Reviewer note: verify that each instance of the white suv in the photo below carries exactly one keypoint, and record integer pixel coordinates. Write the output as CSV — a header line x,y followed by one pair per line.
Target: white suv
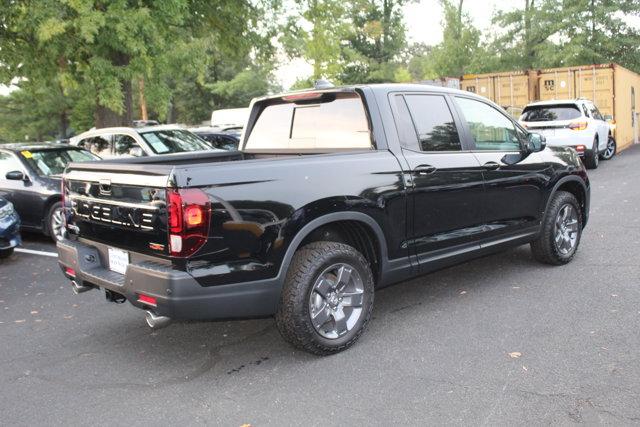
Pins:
x,y
573,123
136,142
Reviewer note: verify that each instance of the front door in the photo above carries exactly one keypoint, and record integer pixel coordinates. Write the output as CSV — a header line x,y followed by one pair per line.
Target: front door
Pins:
x,y
22,193
445,183
514,180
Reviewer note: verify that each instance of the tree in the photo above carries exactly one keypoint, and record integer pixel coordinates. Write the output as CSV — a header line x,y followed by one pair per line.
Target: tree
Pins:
x,y
373,49
315,32
598,31
100,48
460,42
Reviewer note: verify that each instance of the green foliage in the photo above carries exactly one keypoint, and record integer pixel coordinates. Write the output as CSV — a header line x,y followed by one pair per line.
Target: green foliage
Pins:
x,y
460,43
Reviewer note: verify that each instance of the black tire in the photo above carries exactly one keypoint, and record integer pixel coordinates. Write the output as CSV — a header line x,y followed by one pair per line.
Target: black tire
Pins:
x,y
293,318
611,150
591,157
6,253
52,230
545,248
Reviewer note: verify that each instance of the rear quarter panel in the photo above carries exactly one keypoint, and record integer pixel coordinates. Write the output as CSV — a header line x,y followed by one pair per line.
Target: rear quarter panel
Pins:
x,y
258,207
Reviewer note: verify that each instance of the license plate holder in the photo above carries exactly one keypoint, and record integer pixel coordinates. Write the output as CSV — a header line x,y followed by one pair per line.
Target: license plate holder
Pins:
x,y
118,260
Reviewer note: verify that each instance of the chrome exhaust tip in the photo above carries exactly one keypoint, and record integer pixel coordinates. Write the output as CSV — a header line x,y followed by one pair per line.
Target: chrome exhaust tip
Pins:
x,y
78,289
156,322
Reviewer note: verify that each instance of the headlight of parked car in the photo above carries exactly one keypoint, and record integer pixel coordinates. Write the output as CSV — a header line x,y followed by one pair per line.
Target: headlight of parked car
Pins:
x,y
6,211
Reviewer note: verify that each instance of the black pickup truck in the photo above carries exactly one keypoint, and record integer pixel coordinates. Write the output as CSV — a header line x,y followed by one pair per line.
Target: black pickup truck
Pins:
x,y
334,193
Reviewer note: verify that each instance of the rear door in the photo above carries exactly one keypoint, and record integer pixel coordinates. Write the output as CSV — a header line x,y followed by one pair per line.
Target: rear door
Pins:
x,y
514,180
446,180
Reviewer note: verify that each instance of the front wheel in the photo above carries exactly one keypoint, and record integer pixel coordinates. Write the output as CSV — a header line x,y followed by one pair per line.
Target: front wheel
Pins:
x,y
327,298
561,230
610,151
55,222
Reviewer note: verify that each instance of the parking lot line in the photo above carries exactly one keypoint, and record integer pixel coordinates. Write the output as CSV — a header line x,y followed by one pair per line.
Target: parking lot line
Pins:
x,y
43,253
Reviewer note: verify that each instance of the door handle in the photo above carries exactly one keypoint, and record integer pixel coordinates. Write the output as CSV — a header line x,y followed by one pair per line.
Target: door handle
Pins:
x,y
423,170
491,166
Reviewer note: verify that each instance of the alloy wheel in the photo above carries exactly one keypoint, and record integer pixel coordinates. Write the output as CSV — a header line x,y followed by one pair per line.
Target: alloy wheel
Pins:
x,y
336,300
566,229
57,224
610,150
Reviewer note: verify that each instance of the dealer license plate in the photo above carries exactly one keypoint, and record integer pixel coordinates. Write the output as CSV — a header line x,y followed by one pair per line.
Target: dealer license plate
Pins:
x,y
118,260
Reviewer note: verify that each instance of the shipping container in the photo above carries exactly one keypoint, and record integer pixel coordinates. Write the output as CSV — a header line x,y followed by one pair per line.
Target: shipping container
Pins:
x,y
614,89
512,90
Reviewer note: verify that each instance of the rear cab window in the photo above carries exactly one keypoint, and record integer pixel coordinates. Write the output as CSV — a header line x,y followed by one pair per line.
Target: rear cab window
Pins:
x,y
550,113
325,121
431,121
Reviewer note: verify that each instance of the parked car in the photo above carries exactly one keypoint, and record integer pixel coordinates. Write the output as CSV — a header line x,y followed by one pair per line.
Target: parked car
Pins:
x,y
575,123
9,228
335,193
221,139
115,142
30,176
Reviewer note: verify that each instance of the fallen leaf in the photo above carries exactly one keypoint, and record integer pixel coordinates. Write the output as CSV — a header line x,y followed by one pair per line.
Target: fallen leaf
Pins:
x,y
514,354
463,292
20,321
524,367
34,312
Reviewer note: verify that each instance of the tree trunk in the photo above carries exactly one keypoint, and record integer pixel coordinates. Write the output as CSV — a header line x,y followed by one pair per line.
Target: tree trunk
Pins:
x,y
142,100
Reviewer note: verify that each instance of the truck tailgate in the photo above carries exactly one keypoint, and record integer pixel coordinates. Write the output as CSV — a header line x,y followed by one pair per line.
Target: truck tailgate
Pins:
x,y
123,209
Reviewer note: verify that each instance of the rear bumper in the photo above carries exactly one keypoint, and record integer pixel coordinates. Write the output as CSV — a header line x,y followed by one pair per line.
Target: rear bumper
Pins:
x,y
568,138
177,293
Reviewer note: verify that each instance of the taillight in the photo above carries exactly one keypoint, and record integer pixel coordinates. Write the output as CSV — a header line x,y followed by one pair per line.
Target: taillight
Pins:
x,y
578,125
189,211
580,148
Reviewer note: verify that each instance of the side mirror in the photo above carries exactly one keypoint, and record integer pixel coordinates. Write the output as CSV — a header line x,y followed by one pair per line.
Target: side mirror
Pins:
x,y
136,152
536,142
16,176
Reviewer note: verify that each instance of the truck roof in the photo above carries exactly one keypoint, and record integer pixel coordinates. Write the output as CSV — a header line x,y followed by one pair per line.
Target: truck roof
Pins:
x,y
378,87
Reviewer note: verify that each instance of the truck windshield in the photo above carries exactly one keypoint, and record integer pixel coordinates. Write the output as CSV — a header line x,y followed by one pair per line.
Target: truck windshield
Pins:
x,y
550,113
53,162
173,141
333,122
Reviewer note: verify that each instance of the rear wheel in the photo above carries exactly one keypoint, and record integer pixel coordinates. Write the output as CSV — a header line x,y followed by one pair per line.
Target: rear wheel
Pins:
x,y
591,158
327,298
561,231
610,151
55,222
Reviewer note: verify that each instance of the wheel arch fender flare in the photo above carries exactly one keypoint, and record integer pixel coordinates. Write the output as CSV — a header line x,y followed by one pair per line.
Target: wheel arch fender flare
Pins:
x,y
311,226
585,191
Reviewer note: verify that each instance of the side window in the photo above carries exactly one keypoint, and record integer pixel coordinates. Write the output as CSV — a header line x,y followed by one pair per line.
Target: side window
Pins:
x,y
433,122
595,113
490,129
99,145
8,163
124,146
585,111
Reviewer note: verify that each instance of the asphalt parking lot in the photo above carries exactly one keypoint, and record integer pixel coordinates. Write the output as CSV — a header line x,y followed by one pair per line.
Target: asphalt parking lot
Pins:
x,y
497,341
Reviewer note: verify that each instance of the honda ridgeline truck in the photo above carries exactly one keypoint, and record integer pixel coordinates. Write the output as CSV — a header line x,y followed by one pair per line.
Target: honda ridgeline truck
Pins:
x,y
333,194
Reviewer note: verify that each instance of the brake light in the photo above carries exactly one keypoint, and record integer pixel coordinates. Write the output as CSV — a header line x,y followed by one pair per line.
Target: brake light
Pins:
x,y
302,96
578,125
189,212
580,148
70,272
